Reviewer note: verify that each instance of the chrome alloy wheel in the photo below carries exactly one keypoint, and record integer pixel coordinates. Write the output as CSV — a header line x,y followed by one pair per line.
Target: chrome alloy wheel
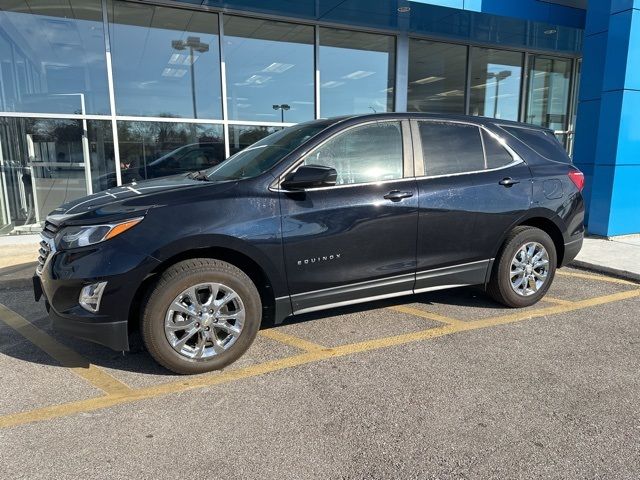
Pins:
x,y
529,269
204,320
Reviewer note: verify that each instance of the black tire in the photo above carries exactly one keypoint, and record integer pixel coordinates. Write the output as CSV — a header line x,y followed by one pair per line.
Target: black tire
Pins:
x,y
177,279
499,287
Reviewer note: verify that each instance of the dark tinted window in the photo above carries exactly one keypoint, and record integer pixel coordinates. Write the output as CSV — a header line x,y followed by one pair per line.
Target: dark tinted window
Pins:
x,y
451,148
497,155
367,153
545,144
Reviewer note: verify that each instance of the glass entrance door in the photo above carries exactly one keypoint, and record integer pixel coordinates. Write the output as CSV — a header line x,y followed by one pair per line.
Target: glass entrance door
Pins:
x,y
548,94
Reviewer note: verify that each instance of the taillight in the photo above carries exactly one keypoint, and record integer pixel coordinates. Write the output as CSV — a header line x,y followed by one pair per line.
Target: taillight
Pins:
x,y
577,177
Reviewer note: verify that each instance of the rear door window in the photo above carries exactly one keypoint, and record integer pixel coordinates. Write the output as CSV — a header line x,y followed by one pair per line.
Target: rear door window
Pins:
x,y
451,148
542,142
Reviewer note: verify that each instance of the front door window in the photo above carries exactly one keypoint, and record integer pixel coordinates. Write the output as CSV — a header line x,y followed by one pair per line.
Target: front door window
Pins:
x,y
367,153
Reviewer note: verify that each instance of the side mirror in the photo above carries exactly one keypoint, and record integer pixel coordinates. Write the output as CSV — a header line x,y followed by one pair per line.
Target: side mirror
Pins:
x,y
309,176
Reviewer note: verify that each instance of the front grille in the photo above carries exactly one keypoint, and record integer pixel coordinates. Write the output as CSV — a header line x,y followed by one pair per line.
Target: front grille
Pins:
x,y
50,229
48,234
43,254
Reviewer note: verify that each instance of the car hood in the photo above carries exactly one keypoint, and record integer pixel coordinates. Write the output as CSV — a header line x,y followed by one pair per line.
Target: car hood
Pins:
x,y
127,200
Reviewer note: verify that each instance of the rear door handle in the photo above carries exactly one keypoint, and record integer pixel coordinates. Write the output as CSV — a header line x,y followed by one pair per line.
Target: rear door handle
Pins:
x,y
397,195
508,182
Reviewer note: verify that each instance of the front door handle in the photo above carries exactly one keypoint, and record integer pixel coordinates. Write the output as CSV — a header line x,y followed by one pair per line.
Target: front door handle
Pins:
x,y
397,195
508,182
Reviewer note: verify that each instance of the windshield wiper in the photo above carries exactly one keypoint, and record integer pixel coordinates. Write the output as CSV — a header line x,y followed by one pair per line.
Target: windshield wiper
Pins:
x,y
199,175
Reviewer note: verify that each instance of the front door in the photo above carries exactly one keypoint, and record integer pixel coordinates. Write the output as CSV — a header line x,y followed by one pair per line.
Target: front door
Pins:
x,y
357,239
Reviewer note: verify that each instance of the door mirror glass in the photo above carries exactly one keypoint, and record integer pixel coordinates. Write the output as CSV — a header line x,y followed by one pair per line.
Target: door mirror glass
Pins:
x,y
310,176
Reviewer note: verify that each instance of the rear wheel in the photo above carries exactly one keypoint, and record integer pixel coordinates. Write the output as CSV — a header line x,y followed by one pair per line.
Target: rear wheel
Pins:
x,y
202,315
524,269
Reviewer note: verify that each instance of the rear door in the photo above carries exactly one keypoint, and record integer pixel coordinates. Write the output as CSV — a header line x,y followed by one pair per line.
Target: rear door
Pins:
x,y
504,191
357,239
463,208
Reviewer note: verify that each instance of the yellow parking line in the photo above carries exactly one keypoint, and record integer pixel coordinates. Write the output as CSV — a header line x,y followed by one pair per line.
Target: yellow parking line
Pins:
x,y
218,378
602,278
290,340
62,354
557,301
426,314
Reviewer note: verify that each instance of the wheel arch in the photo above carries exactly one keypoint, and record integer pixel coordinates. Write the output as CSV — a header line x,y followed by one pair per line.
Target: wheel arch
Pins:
x,y
240,254
551,229
549,225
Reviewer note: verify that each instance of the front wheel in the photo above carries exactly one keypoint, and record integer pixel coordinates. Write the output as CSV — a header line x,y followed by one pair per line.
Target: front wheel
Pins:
x,y
202,315
524,269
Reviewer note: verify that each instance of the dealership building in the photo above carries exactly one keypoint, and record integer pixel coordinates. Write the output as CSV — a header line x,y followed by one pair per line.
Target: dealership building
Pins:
x,y
97,93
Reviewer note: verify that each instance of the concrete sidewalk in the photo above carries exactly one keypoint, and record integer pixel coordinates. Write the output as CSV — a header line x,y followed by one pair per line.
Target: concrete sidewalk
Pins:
x,y
18,258
619,256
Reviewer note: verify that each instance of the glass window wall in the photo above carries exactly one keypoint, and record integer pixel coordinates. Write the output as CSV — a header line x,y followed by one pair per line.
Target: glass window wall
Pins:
x,y
548,97
495,83
437,77
42,165
166,64
52,57
270,70
157,149
241,136
166,61
357,72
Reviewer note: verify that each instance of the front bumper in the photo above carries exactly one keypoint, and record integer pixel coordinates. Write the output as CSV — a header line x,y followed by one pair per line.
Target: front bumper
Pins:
x,y
112,334
63,276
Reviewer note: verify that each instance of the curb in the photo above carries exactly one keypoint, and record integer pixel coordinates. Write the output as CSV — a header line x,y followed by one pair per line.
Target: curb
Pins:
x,y
15,283
17,276
615,272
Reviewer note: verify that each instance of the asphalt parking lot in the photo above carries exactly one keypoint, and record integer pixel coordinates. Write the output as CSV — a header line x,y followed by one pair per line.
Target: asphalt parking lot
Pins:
x,y
441,385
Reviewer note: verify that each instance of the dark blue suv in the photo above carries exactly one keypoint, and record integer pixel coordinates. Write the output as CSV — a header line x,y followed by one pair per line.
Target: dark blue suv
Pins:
x,y
325,213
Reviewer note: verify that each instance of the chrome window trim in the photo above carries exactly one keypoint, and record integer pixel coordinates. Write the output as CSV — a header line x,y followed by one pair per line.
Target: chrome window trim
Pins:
x,y
484,150
420,157
276,186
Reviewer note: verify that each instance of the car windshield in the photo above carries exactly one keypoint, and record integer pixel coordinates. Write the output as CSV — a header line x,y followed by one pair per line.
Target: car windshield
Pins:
x,y
261,156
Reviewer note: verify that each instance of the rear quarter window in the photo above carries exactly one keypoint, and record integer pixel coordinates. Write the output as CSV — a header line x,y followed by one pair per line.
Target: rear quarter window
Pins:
x,y
543,143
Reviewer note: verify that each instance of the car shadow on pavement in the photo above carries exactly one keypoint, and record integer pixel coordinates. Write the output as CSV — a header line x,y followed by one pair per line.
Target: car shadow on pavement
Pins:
x,y
138,360
14,276
83,353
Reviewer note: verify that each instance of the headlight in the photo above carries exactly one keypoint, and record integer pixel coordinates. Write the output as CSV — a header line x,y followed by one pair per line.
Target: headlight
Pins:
x,y
73,237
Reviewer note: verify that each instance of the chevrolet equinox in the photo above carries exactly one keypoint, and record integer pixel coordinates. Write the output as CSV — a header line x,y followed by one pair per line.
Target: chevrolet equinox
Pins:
x,y
321,214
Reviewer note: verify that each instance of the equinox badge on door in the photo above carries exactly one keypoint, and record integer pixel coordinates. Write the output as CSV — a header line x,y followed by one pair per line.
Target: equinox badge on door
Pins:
x,y
324,258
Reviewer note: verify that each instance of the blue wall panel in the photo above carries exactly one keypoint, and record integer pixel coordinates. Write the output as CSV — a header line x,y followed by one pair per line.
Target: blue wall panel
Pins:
x,y
597,17
607,145
618,50
595,49
586,131
625,207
